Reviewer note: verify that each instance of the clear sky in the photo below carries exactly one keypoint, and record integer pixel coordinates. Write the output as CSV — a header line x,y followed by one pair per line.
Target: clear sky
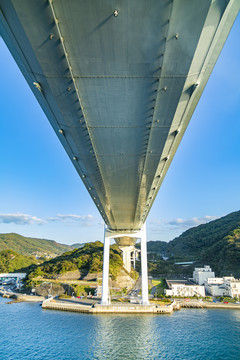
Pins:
x,y
41,194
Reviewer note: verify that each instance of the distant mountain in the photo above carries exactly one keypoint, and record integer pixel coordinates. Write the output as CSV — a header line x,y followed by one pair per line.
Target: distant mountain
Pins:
x,y
77,246
31,246
155,246
216,243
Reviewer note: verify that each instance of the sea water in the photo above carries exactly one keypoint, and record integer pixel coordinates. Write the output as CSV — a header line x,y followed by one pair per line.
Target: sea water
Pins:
x,y
29,332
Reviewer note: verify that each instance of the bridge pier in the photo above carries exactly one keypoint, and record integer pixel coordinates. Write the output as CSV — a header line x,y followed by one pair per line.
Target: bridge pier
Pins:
x,y
105,278
144,269
124,236
126,253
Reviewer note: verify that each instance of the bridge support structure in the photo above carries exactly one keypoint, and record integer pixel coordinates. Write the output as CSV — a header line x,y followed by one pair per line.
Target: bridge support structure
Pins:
x,y
115,234
126,253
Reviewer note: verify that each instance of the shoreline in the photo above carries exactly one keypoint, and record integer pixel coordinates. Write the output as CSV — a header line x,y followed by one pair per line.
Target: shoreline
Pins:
x,y
21,297
222,306
124,308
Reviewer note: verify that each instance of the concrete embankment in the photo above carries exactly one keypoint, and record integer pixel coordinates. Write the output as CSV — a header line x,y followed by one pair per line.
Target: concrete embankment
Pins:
x,y
6,294
124,308
221,306
21,297
191,304
66,306
208,305
113,308
133,308
29,298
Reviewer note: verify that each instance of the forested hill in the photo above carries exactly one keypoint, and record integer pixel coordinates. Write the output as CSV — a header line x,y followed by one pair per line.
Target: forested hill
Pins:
x,y
88,259
216,243
10,261
31,246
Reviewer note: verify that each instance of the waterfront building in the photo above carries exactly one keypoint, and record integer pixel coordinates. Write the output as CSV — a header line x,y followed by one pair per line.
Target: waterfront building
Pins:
x,y
214,286
184,288
232,287
225,286
12,276
202,274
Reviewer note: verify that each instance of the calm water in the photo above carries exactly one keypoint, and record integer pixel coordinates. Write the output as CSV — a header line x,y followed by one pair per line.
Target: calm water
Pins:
x,y
28,332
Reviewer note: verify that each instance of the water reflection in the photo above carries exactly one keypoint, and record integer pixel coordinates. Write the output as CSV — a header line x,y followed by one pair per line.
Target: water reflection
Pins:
x,y
126,337
28,332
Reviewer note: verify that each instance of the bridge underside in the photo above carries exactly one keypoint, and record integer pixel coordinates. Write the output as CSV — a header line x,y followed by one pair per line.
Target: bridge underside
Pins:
x,y
118,81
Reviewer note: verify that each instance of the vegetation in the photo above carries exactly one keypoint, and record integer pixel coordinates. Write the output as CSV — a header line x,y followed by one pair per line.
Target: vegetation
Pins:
x,y
216,243
29,246
160,287
77,246
79,290
88,259
10,261
168,269
228,299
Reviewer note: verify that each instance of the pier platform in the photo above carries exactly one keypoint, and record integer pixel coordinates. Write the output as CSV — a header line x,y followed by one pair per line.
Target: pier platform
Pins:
x,y
123,308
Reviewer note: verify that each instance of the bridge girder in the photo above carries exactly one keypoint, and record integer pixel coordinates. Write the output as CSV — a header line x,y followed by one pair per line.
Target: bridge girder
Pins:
x,y
118,85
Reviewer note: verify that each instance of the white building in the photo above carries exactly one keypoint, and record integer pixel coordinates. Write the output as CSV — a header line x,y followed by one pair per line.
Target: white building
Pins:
x,y
216,290
214,286
12,278
202,274
184,289
214,281
225,286
232,287
98,291
15,276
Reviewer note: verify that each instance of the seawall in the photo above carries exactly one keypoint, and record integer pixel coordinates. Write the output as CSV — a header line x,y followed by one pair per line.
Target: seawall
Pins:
x,y
113,308
21,297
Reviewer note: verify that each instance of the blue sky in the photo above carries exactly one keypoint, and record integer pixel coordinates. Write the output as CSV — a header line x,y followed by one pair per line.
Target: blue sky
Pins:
x,y
41,194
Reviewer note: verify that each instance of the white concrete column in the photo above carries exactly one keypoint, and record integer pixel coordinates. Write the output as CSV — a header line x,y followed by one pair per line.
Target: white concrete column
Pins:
x,y
134,258
126,254
105,278
144,267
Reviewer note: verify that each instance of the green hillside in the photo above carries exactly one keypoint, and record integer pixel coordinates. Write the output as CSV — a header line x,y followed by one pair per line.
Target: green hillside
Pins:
x,y
29,246
10,261
216,243
88,259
